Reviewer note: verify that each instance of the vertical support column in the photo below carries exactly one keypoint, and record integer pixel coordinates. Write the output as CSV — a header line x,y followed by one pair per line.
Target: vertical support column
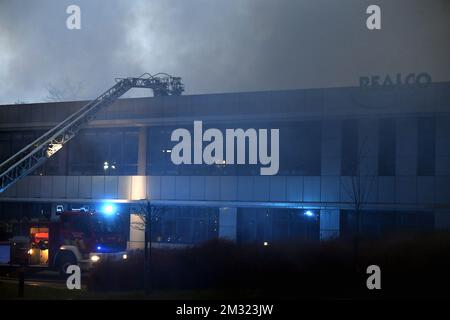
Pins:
x,y
228,223
142,151
329,224
137,233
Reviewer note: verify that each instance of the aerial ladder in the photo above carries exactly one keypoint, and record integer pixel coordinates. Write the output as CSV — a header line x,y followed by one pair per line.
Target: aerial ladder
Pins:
x,y
36,153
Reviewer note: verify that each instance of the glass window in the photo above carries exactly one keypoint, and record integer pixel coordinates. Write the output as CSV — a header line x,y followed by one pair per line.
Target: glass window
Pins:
x,y
300,148
386,147
426,141
349,147
80,224
104,225
104,152
185,225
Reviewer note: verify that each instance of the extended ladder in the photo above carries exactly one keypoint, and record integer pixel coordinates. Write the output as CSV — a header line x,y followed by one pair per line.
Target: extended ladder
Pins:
x,y
36,153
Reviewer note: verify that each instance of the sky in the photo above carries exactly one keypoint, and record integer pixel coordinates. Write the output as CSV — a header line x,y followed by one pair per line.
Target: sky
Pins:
x,y
216,45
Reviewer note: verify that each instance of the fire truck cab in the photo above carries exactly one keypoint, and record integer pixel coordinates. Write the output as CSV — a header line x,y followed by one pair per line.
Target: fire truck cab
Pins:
x,y
79,237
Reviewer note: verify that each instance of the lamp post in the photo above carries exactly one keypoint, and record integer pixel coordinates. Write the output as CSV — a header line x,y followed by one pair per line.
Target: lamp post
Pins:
x,y
148,249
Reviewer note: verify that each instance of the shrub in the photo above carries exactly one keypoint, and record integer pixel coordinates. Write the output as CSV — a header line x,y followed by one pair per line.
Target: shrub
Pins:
x,y
294,269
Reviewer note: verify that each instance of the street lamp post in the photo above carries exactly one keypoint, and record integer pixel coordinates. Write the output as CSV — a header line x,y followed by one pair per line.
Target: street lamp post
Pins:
x,y
148,249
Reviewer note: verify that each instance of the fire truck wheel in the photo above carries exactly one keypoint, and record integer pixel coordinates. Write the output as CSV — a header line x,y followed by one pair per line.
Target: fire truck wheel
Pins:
x,y
65,259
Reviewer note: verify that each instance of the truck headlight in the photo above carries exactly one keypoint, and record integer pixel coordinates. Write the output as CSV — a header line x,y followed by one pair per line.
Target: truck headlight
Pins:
x,y
95,258
124,256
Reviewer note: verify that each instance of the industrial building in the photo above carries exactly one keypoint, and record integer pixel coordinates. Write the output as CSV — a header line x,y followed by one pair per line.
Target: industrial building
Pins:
x,y
385,150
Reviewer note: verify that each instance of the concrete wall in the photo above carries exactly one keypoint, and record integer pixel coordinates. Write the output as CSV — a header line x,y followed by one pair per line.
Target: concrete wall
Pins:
x,y
404,190
137,233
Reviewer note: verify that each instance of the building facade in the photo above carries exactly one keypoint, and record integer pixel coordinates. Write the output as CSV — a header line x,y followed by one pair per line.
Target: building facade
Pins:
x,y
383,151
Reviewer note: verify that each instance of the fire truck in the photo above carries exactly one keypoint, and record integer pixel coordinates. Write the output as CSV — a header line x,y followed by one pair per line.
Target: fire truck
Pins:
x,y
79,237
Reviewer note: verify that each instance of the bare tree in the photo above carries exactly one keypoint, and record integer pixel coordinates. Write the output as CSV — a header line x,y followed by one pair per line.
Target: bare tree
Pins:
x,y
139,225
358,188
65,91
146,212
141,212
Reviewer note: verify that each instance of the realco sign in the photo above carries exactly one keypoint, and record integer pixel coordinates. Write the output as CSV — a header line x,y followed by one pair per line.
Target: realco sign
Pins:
x,y
420,80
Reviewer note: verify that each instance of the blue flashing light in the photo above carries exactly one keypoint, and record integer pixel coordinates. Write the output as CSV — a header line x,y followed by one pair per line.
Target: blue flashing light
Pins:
x,y
108,209
309,213
105,248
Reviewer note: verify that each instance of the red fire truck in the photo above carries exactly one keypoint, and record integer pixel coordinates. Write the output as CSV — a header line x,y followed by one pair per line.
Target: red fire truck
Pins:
x,y
78,237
